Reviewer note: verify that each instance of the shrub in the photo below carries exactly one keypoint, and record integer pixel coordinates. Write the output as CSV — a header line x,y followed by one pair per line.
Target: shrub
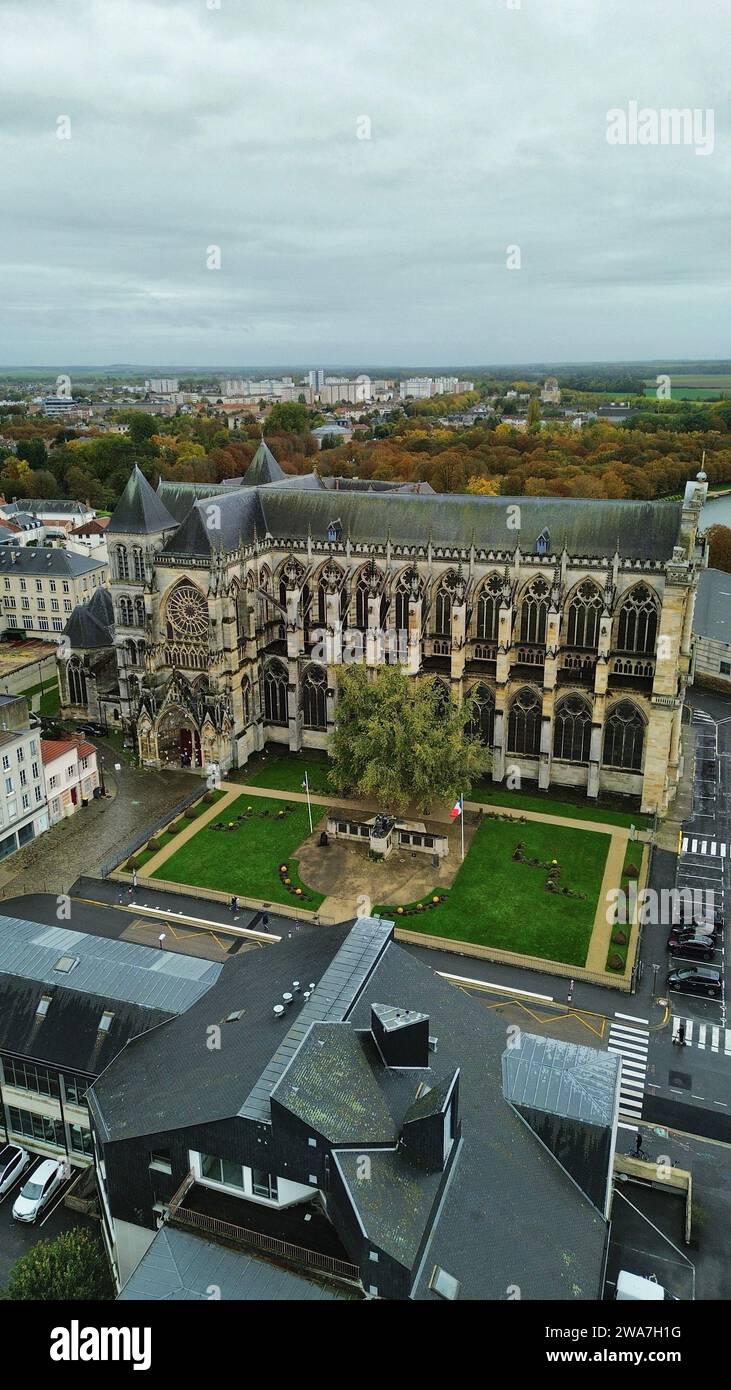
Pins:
x,y
207,798
615,961
174,828
619,937
631,871
71,1267
132,864
190,813
153,845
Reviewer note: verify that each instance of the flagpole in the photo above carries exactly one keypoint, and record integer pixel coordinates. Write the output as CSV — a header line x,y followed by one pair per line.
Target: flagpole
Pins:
x,y
461,803
309,805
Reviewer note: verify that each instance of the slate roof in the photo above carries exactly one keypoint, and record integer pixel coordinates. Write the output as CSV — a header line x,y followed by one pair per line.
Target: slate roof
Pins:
x,y
263,468
139,510
91,624
508,1213
167,1080
46,559
712,616
56,506
561,1078
68,1035
179,1265
591,528
330,1085
178,498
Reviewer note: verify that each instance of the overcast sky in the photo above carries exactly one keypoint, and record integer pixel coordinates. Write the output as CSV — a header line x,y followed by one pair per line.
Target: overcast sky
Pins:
x,y
240,127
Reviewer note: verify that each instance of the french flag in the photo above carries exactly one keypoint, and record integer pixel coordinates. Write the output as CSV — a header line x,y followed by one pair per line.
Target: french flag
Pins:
x,y
456,810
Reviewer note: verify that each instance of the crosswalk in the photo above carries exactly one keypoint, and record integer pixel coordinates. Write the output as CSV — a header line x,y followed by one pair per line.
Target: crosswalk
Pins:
x,y
708,1037
629,1039
717,848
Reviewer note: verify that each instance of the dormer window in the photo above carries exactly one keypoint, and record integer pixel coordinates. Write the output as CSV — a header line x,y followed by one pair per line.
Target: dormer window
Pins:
x,y
543,543
334,531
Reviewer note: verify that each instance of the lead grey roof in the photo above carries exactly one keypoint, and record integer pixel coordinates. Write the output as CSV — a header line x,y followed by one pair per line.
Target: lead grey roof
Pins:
x,y
105,966
712,617
139,510
46,559
91,624
561,1078
179,1265
591,528
61,506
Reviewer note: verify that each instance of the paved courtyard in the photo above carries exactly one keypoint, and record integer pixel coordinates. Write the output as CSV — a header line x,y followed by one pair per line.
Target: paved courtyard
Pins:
x,y
80,844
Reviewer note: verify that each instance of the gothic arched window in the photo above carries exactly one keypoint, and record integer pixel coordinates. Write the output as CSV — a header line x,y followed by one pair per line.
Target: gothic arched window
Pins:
x,y
482,722
637,628
488,609
138,563
534,612
125,611
442,696
524,724
314,698
361,603
584,613
624,737
275,693
122,562
443,612
77,683
572,730
246,698
140,611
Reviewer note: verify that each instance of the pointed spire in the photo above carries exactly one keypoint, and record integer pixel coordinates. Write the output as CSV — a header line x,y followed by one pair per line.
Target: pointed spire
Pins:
x,y
139,510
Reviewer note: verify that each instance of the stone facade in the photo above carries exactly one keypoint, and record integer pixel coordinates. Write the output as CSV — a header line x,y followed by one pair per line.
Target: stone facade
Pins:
x,y
577,661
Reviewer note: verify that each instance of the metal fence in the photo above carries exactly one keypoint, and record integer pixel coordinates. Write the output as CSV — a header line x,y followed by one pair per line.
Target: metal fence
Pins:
x,y
151,829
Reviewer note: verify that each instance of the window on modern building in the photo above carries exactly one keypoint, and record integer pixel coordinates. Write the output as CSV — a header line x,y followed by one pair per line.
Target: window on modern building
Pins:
x,y
160,1161
263,1184
725,668
32,1126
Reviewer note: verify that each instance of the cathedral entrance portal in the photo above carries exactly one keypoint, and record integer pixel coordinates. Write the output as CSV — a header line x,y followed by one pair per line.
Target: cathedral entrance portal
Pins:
x,y
178,740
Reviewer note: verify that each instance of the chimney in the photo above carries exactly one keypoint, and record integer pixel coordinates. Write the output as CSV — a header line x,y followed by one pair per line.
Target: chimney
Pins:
x,y
401,1035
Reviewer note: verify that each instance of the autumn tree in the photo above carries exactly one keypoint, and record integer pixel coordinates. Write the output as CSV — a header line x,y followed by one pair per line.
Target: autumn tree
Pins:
x,y
397,742
719,548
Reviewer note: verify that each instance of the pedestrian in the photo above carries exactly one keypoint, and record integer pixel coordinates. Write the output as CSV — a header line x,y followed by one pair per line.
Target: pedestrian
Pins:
x,y
234,904
638,1144
681,1032
265,922
134,879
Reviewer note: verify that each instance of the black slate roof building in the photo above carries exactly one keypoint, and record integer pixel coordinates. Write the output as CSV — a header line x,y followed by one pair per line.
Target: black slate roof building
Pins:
x,y
569,620
69,1003
365,1140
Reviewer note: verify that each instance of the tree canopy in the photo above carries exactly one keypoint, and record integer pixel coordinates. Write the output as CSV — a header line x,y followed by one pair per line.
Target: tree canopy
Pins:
x,y
397,742
71,1267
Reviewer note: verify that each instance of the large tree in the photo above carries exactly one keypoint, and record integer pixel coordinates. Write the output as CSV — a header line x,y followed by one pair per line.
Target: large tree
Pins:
x,y
396,741
73,1266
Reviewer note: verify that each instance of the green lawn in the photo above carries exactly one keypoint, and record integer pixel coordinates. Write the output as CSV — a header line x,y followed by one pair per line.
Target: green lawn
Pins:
x,y
246,860
495,901
285,772
492,794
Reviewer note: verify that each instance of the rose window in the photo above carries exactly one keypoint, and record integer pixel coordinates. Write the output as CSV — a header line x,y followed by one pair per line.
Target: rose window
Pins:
x,y
187,612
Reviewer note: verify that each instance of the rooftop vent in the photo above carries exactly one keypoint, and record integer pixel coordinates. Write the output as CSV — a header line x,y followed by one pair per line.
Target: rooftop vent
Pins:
x,y
444,1284
105,1022
278,1010
43,1006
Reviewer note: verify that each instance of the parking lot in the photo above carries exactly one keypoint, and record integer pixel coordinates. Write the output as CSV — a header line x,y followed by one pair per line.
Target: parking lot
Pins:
x,y
16,1237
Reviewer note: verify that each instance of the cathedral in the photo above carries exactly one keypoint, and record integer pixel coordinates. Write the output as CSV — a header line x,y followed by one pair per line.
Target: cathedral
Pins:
x,y
233,606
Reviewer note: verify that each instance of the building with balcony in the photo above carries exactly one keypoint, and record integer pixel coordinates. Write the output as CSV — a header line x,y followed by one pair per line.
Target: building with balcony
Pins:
x,y
568,622
370,1135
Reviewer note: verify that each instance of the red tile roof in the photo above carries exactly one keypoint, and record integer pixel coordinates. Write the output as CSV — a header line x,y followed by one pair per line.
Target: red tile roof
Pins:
x,y
53,748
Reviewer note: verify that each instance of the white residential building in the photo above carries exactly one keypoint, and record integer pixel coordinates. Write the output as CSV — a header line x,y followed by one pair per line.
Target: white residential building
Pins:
x,y
71,773
23,809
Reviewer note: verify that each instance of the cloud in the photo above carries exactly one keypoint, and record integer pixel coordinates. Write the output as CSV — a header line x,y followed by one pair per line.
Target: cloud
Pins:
x,y
239,127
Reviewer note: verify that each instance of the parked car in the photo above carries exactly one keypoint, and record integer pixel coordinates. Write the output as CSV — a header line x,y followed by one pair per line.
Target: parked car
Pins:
x,y
696,979
13,1161
713,917
90,728
706,929
697,947
38,1189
